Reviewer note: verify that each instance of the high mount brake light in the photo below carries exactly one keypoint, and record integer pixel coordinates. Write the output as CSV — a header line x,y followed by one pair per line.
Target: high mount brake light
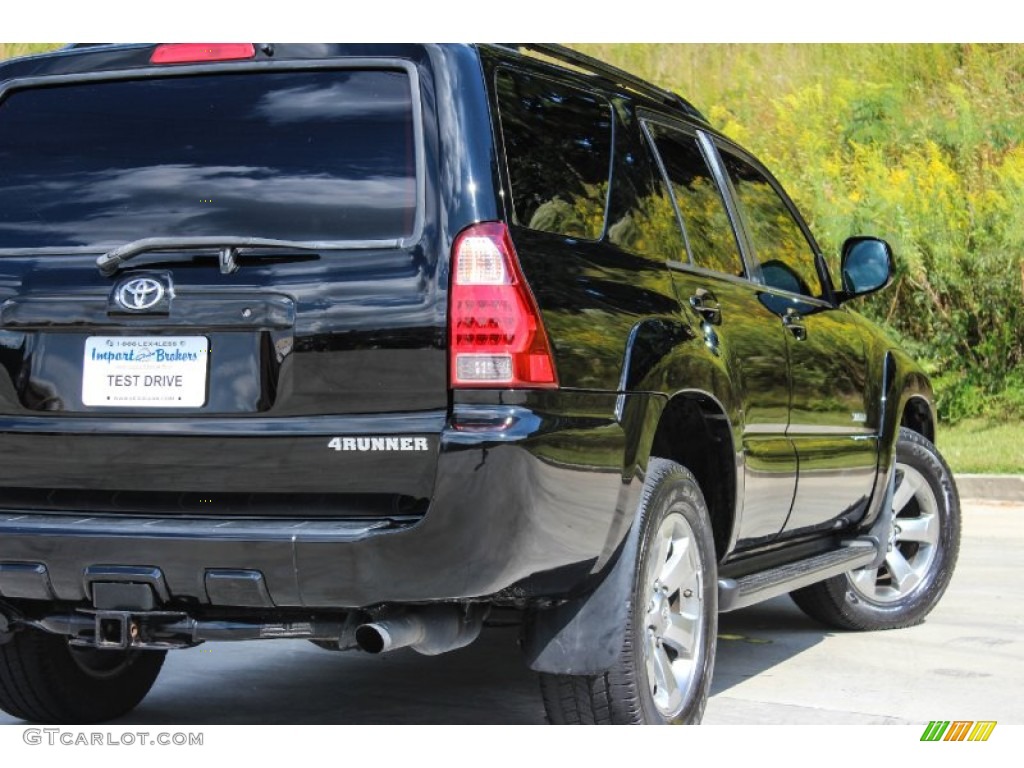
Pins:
x,y
496,336
190,53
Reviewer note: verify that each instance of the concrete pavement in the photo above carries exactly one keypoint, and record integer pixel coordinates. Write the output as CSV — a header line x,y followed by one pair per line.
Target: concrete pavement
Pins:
x,y
965,662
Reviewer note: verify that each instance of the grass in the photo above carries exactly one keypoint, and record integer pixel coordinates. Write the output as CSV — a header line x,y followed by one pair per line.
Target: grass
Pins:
x,y
982,446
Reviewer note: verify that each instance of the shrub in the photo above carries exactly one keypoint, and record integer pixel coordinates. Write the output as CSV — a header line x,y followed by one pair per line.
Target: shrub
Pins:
x,y
918,144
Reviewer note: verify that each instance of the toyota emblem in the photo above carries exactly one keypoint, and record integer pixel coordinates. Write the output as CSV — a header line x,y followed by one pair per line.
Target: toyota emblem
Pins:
x,y
140,293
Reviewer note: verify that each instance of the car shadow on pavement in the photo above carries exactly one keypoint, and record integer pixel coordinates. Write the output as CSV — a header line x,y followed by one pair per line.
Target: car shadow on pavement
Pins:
x,y
755,639
296,682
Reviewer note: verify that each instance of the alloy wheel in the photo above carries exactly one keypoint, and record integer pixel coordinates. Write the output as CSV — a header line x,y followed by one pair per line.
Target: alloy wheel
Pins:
x,y
912,546
673,615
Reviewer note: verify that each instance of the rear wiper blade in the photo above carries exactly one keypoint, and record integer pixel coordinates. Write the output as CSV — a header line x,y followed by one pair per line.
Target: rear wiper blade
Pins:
x,y
112,260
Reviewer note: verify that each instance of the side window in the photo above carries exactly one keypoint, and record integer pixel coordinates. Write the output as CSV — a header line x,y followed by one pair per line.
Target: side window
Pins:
x,y
785,257
709,232
641,217
558,146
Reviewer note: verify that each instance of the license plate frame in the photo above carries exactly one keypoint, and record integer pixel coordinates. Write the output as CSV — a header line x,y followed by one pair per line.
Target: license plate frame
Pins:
x,y
145,371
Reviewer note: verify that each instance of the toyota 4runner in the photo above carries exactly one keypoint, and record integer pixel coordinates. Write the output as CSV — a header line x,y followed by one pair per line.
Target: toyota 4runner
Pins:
x,y
364,344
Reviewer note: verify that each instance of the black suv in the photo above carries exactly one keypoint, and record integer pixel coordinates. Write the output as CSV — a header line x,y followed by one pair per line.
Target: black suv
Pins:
x,y
367,344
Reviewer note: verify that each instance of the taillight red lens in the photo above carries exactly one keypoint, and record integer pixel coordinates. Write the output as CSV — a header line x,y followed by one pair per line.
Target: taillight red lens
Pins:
x,y
187,53
496,337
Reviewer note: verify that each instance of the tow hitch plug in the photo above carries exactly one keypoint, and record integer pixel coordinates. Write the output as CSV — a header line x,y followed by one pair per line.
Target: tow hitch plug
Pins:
x,y
115,629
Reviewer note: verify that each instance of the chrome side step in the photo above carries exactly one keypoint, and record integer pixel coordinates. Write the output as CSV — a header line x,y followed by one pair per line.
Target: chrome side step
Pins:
x,y
757,587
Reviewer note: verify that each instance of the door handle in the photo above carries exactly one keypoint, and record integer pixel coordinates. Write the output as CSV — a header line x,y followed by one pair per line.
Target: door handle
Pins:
x,y
794,324
706,305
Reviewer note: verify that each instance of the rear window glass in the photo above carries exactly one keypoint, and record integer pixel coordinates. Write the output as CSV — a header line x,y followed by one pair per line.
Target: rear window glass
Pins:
x,y
327,155
558,144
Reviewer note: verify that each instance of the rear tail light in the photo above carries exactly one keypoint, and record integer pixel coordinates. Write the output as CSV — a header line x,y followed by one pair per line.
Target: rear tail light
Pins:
x,y
189,53
496,335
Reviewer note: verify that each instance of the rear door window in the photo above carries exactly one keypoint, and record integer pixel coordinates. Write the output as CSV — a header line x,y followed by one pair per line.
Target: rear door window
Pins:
x,y
642,218
309,156
709,233
558,148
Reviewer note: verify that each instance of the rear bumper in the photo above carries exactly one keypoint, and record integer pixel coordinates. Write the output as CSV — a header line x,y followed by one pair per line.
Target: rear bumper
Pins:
x,y
529,500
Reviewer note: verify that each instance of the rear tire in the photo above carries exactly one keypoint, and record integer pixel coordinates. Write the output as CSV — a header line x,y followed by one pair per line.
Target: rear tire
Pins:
x,y
44,680
663,671
923,549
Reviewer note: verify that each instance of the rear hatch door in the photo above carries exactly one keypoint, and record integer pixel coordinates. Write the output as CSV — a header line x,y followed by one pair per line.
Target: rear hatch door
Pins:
x,y
267,338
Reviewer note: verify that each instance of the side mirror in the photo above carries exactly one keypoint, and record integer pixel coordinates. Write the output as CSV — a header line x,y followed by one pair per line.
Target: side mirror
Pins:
x,y
867,266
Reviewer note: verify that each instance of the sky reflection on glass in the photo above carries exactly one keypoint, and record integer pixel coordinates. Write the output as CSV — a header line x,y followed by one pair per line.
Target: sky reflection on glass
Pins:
x,y
301,156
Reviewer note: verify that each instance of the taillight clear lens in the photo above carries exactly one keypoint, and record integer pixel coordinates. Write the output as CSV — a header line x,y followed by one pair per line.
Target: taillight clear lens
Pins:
x,y
480,262
186,53
496,336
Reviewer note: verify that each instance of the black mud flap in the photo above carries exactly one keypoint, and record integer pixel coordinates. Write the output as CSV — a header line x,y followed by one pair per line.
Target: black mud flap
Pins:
x,y
584,636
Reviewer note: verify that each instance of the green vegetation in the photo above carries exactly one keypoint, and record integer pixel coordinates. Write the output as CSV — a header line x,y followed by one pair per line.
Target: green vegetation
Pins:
x,y
977,445
919,144
10,50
